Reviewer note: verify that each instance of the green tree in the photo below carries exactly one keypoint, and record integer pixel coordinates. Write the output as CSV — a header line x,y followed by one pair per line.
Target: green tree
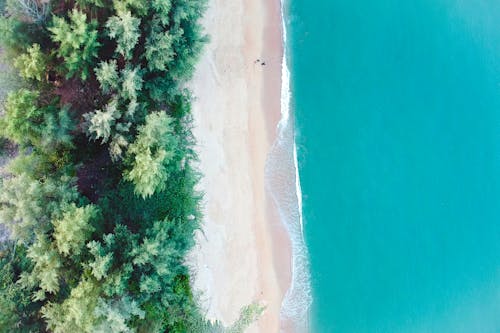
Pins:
x,y
57,127
77,312
115,314
162,8
107,75
33,64
77,41
138,7
18,313
101,123
150,154
102,261
23,118
125,29
27,205
72,231
131,83
47,270
159,51
27,123
115,264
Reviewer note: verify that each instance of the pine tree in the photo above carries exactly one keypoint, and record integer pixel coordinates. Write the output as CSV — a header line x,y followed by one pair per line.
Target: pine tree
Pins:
x,y
57,127
159,51
138,7
77,41
72,231
125,29
162,8
115,314
27,205
131,83
33,64
46,272
77,312
78,279
23,118
102,260
101,123
117,146
18,313
107,75
150,154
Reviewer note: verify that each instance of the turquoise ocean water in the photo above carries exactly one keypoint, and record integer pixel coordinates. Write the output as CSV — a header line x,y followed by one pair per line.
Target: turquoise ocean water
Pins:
x,y
397,107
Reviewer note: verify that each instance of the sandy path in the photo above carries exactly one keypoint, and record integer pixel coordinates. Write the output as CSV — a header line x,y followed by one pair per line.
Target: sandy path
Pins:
x,y
242,254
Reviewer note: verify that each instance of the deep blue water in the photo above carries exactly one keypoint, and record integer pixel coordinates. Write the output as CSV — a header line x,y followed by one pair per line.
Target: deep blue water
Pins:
x,y
398,127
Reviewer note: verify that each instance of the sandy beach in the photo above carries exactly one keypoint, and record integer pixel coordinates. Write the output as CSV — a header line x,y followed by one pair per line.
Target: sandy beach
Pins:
x,y
242,254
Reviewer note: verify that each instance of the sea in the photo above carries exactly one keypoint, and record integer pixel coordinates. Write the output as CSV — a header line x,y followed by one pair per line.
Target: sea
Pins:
x,y
394,108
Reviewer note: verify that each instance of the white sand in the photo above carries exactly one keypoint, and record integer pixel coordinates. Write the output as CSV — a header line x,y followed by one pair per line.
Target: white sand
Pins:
x,y
242,255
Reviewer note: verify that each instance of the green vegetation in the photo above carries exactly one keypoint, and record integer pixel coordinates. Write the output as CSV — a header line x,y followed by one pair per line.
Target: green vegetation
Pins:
x,y
100,202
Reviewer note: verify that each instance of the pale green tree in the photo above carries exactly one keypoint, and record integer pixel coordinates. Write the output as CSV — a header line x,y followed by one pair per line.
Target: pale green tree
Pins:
x,y
150,154
74,228
138,7
117,146
125,29
101,122
113,315
77,312
131,79
32,64
47,269
77,41
107,75
27,205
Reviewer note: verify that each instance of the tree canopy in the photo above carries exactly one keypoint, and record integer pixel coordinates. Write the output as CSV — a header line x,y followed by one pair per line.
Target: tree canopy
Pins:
x,y
78,44
99,201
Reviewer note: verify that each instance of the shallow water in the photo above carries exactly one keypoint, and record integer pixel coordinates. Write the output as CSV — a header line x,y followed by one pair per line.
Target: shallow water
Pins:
x,y
397,105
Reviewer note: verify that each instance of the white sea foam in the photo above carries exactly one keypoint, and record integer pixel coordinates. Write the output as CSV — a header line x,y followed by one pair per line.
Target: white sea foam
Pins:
x,y
282,179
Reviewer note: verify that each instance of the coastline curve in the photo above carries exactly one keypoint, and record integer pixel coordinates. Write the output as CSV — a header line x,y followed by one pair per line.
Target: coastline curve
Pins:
x,y
283,183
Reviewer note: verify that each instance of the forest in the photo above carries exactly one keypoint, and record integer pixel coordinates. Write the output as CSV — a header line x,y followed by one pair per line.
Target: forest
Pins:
x,y
98,199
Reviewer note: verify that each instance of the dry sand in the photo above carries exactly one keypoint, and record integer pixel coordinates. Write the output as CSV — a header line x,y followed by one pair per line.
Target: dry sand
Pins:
x,y
242,253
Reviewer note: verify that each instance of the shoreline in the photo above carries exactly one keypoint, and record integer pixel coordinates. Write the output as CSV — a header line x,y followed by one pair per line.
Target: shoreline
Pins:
x,y
243,252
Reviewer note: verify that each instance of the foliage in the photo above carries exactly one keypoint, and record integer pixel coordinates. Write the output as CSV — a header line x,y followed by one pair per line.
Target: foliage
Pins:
x,y
32,65
26,123
248,315
131,83
107,75
22,117
101,122
101,242
125,29
47,267
77,41
150,155
159,51
76,313
18,313
73,230
28,205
